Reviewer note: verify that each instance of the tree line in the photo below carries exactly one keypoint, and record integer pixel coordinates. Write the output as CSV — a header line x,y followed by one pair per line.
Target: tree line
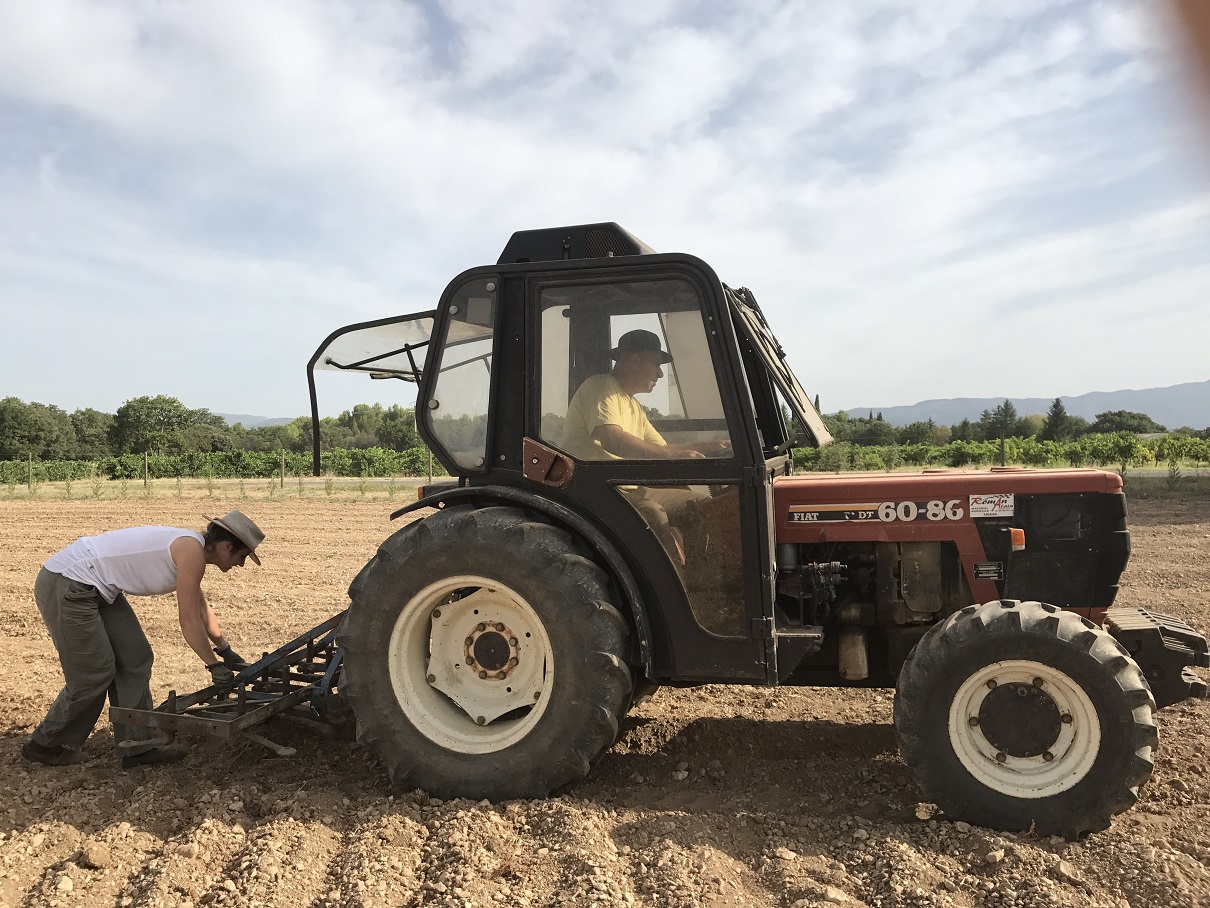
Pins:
x,y
372,440
1057,425
162,425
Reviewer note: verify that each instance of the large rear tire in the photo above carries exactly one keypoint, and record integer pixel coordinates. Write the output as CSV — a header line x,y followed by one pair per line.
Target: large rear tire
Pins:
x,y
1019,716
483,657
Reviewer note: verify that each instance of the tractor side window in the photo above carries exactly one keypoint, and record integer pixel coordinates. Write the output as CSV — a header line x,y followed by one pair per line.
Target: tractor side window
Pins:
x,y
627,373
457,409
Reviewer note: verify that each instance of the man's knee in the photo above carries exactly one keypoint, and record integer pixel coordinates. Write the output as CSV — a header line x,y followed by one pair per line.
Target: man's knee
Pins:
x,y
136,658
86,683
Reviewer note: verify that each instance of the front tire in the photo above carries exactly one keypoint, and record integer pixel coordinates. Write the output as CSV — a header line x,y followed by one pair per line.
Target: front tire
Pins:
x,y
1019,716
484,657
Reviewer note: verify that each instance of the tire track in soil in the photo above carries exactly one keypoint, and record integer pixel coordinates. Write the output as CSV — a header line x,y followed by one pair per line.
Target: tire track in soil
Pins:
x,y
283,862
184,868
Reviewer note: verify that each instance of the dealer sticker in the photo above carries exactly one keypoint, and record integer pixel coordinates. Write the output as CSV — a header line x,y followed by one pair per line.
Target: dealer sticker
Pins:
x,y
999,505
989,570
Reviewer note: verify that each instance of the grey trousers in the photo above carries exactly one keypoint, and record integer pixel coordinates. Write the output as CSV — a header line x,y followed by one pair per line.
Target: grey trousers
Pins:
x,y
103,652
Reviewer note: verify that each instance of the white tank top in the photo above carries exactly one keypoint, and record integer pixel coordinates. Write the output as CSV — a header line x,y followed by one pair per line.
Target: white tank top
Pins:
x,y
134,561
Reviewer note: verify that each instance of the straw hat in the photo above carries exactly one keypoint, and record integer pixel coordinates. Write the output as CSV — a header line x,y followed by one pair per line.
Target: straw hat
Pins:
x,y
242,528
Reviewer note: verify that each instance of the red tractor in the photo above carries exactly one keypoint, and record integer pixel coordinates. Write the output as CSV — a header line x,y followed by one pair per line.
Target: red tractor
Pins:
x,y
620,427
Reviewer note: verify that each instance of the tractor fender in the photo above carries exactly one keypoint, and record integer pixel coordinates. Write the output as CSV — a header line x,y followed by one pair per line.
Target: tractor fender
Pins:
x,y
572,521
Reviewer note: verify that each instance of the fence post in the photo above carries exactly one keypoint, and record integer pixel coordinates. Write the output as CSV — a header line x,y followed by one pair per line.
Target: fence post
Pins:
x,y
29,479
283,468
146,472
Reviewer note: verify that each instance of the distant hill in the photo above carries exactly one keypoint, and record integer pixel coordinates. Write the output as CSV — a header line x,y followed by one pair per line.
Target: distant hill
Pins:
x,y
1175,406
251,422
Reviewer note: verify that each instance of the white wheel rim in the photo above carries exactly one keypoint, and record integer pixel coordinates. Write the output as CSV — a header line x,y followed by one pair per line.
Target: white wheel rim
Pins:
x,y
442,695
1071,756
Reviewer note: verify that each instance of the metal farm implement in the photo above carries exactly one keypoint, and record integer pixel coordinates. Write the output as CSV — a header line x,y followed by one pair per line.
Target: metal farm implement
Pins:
x,y
298,679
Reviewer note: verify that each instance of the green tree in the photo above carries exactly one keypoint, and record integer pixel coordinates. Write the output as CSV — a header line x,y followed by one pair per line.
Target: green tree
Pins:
x,y
1029,426
148,424
917,433
838,424
998,423
1124,421
43,430
362,424
964,431
1058,423
398,429
874,431
1173,448
205,437
204,417
92,433
14,429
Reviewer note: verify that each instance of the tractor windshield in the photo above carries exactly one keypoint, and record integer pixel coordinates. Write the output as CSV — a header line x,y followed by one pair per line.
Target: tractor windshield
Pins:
x,y
386,348
750,322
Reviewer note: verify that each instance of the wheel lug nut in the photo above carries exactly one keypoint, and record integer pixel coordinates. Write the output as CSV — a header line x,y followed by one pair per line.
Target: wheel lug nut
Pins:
x,y
537,695
1066,719
1048,756
512,641
512,661
436,613
470,640
974,721
1001,758
481,721
991,685
1038,682
498,626
431,678
480,626
470,661
482,674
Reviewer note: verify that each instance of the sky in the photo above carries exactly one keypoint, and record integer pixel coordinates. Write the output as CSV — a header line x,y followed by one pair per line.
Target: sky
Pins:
x,y
951,199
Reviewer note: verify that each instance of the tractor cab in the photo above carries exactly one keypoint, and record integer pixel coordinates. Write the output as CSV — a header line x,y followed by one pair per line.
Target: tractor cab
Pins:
x,y
516,365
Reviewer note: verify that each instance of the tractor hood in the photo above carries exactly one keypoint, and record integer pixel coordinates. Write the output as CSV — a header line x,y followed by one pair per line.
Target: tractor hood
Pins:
x,y
810,502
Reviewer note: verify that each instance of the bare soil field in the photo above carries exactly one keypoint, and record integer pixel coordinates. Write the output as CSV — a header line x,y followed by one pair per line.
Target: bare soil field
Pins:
x,y
714,796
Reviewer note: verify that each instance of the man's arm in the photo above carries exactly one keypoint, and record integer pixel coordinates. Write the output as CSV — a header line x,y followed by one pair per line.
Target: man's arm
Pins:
x,y
190,560
617,440
210,621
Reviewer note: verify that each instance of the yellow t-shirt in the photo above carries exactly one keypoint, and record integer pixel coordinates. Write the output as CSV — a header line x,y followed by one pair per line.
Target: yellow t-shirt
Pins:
x,y
601,401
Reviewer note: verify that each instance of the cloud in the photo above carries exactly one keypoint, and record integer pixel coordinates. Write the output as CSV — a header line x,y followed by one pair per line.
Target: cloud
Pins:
x,y
881,175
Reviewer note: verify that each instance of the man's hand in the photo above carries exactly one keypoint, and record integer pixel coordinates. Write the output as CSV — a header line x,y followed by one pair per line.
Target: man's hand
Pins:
x,y
230,657
221,674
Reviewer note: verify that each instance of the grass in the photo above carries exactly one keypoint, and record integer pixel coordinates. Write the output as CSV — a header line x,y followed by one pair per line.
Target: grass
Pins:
x,y
1163,484
1185,482
334,487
